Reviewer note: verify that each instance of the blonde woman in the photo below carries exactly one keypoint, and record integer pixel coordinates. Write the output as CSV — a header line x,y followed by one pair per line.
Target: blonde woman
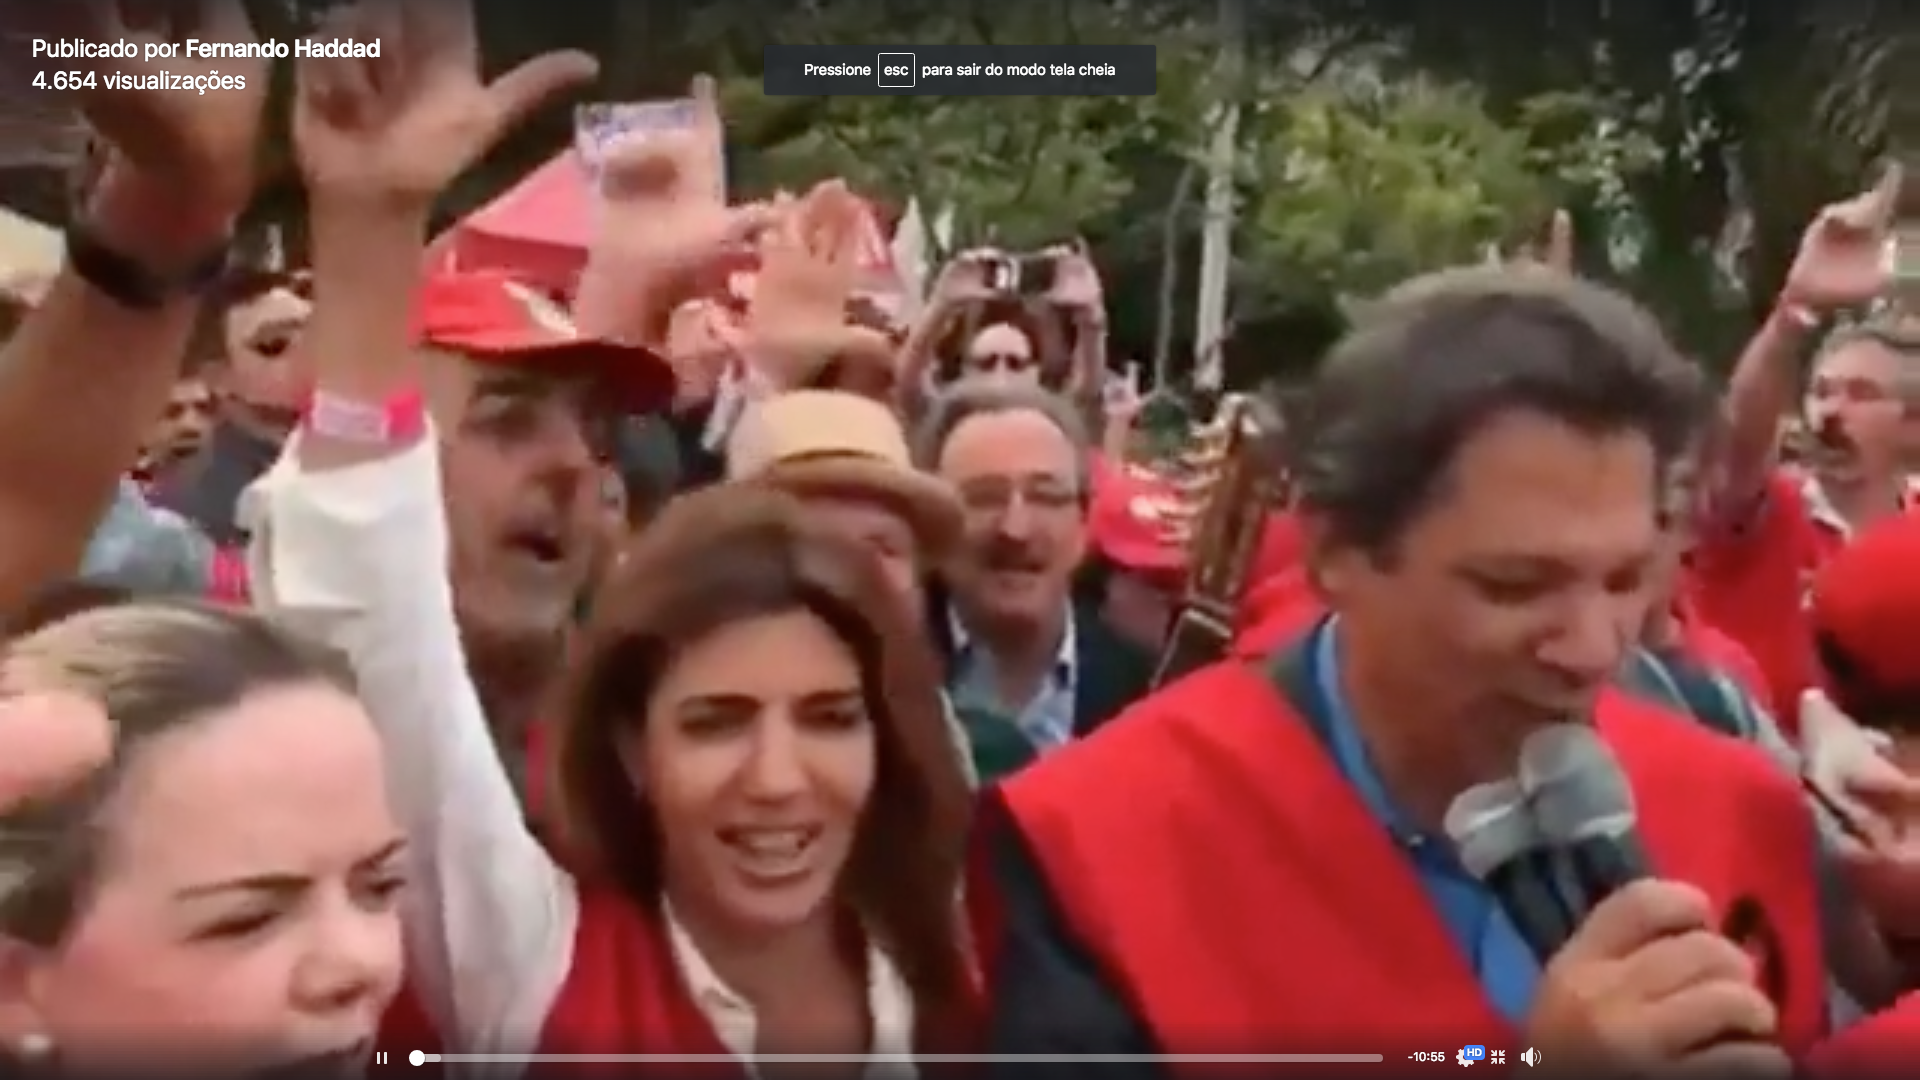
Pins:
x,y
219,888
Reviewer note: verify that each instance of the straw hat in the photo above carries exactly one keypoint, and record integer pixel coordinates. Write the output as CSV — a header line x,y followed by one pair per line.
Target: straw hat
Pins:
x,y
829,442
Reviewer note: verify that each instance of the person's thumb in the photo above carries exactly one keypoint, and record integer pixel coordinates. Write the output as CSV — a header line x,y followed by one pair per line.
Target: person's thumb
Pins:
x,y
518,92
1559,251
48,741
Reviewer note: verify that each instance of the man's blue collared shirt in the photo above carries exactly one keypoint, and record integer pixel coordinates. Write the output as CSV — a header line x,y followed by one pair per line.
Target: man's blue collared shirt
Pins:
x,y
1507,969
1046,719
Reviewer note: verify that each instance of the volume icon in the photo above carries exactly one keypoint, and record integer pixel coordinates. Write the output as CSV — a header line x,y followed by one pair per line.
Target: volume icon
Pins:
x,y
1530,1056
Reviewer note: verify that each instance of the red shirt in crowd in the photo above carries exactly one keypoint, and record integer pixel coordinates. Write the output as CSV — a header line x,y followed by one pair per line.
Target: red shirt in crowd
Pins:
x,y
1750,580
1720,652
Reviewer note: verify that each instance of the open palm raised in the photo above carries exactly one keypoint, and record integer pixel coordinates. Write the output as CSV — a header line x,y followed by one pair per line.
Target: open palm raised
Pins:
x,y
398,128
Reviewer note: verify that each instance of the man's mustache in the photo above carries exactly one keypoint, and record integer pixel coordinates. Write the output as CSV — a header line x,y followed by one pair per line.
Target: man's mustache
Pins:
x,y
1830,436
1003,555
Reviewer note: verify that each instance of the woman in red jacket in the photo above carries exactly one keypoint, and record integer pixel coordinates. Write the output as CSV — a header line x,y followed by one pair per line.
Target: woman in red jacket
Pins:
x,y
754,785
756,821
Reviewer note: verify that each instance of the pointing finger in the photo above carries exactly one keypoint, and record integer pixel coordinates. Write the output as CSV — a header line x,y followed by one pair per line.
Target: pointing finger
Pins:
x,y
1886,194
1559,248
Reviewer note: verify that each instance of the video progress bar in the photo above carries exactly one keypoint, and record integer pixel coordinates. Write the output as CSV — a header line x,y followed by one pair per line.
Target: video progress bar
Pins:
x,y
422,1058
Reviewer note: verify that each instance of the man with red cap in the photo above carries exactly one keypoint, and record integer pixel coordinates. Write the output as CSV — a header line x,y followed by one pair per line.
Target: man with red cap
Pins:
x,y
1865,611
525,409
1136,528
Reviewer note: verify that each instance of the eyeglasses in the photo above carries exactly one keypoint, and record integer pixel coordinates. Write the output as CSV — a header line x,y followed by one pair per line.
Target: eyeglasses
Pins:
x,y
997,495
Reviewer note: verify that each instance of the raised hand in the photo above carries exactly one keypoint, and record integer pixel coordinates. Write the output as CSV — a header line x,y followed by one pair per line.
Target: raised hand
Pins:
x,y
1842,258
809,263
664,220
702,340
1553,252
1076,284
396,129
964,278
199,148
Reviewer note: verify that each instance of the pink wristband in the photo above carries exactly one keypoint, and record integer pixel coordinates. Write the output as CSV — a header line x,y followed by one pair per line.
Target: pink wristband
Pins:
x,y
397,422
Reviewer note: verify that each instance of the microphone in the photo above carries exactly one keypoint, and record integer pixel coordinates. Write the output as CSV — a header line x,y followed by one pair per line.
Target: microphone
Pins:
x,y
1583,807
1495,836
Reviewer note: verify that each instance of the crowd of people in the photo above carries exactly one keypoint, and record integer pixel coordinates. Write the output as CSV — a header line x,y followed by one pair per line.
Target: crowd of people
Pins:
x,y
752,675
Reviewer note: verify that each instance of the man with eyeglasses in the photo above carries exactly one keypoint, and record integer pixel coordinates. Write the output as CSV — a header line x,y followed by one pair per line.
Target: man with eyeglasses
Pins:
x,y
1018,645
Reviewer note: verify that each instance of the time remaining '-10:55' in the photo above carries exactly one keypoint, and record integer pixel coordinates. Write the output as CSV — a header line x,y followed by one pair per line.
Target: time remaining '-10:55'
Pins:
x,y
1430,1055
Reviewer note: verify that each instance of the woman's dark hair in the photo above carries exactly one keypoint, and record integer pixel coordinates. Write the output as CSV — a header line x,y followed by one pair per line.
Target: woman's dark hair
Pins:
x,y
1043,324
731,553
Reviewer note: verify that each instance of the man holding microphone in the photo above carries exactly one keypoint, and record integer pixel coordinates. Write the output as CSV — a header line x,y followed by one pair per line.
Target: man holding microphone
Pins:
x,y
1254,860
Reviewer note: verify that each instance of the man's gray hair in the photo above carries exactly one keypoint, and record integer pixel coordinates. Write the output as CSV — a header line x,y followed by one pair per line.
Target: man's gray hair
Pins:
x,y
984,397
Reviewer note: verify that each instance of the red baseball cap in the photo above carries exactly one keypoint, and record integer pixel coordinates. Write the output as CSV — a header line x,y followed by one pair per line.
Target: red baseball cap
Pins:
x,y
1133,521
1866,602
497,319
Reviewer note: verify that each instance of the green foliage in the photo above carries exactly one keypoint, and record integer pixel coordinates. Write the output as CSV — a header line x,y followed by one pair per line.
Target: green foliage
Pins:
x,y
1019,175
1411,139
1357,182
1016,171
1355,189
